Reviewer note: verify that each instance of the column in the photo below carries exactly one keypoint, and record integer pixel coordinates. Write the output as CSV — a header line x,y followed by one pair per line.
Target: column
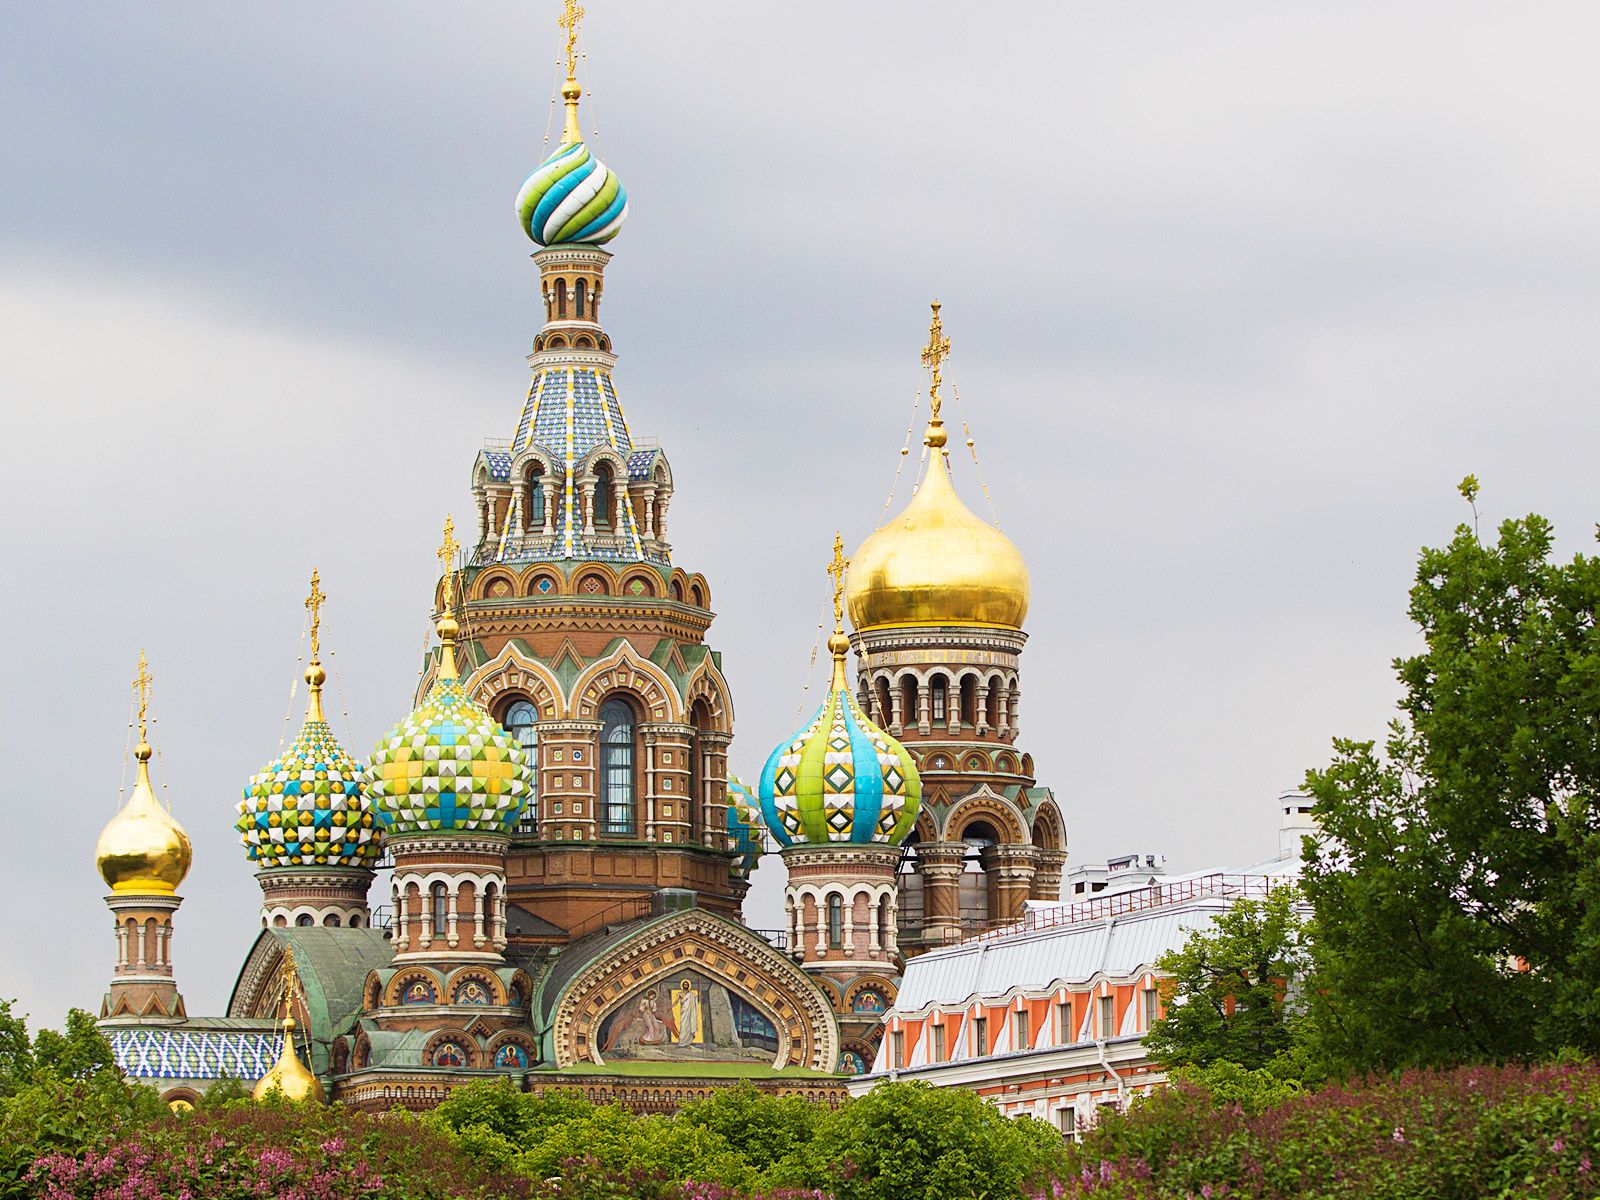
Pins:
x,y
425,925
940,864
982,723
925,707
1014,868
1005,712
649,493
548,485
897,724
849,915
477,916
1046,883
453,903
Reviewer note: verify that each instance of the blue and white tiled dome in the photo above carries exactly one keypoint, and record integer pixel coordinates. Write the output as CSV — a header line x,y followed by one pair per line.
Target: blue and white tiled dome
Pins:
x,y
744,830
308,807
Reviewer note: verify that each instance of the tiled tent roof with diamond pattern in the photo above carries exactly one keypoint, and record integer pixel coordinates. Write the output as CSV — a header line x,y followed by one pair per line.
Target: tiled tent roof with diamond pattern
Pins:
x,y
308,807
840,779
448,767
154,1052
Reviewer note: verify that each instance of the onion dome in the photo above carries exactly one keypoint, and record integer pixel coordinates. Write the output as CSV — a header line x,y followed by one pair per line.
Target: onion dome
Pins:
x,y
143,850
573,198
308,806
938,563
744,832
841,778
448,767
289,1077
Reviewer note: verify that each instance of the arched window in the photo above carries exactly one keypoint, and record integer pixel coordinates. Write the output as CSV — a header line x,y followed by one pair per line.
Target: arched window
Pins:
x,y
969,701
835,921
521,722
939,691
616,769
602,495
305,919
535,505
580,293
700,720
440,914
331,920
978,900
561,299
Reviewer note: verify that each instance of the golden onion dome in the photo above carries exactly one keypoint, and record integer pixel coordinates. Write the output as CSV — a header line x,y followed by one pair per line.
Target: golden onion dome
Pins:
x,y
142,849
937,563
289,1076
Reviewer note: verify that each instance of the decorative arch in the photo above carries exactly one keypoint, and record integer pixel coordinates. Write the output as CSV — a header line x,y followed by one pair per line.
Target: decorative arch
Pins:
x,y
879,984
513,671
594,581
649,581
986,805
1049,830
699,591
494,584
502,1052
624,670
708,684
696,941
440,1050
540,582
406,988
465,986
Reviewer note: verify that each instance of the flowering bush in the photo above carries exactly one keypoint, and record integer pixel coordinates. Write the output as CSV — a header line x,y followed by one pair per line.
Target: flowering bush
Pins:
x,y
244,1151
1465,1134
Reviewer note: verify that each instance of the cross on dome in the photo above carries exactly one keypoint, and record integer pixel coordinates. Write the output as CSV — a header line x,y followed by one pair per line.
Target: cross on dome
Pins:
x,y
314,603
446,555
141,685
933,356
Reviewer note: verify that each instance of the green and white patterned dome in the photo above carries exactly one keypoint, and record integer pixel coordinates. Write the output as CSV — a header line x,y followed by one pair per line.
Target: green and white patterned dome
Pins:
x,y
448,767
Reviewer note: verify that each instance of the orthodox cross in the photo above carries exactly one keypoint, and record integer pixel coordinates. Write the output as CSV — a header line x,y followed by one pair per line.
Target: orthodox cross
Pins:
x,y
447,561
933,356
836,568
291,981
571,14
314,603
141,684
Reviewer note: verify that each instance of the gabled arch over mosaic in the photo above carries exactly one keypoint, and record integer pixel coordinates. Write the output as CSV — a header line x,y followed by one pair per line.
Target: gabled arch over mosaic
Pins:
x,y
513,671
623,670
694,987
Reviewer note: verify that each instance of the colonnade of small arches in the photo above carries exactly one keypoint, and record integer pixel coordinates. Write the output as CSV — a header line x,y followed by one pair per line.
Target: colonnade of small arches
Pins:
x,y
315,916
610,502
843,921
448,907
941,699
548,580
143,943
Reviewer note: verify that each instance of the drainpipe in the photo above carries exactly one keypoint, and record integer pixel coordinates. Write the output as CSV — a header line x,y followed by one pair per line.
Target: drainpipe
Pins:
x,y
1122,1087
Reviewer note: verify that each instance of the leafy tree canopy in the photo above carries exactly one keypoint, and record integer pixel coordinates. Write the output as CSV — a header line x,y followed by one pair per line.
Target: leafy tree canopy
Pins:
x,y
1456,887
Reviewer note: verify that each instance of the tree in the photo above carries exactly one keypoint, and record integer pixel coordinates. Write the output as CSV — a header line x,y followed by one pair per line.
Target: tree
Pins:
x,y
912,1141
1226,989
1456,886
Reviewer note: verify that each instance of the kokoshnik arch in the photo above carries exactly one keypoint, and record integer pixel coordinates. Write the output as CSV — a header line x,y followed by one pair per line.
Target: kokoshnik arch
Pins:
x,y
568,852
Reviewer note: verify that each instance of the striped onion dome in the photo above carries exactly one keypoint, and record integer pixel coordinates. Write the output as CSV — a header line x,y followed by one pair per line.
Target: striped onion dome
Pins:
x,y
841,778
573,198
744,832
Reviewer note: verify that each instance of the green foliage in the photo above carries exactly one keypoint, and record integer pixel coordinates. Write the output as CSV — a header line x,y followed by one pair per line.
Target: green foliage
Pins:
x,y
1457,888
1226,990
1250,1090
762,1129
1462,1134
912,1141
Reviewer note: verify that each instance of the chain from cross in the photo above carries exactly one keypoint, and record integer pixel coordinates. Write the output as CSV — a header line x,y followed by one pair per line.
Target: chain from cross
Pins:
x,y
836,569
141,685
571,14
314,603
447,561
933,356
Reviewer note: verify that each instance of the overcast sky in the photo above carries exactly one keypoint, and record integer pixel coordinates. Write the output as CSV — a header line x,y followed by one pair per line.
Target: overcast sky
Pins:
x,y
1237,295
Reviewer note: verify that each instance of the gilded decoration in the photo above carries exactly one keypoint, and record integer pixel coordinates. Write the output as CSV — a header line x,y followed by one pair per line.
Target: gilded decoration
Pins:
x,y
687,1017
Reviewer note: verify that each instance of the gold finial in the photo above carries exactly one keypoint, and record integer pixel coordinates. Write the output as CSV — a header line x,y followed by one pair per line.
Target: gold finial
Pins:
x,y
447,626
571,15
141,684
289,1076
933,356
838,643
315,675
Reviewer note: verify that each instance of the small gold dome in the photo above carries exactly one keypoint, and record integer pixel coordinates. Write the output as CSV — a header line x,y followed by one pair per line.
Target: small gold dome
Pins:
x,y
142,849
289,1075
937,563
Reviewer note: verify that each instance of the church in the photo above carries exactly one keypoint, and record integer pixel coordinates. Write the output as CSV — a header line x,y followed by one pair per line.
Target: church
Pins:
x,y
564,850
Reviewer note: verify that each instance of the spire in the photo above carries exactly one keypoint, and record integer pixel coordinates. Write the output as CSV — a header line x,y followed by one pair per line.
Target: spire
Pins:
x,y
571,15
142,850
838,643
933,356
315,675
446,627
289,1075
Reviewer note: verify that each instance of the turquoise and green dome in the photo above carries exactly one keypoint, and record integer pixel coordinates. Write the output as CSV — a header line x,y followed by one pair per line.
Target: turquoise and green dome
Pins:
x,y
448,767
841,778
308,807
572,199
744,833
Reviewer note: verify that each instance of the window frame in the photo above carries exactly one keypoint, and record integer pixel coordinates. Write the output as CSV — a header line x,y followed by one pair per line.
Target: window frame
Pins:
x,y
617,771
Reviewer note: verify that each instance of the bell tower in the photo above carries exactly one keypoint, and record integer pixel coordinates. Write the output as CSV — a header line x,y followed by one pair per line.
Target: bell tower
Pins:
x,y
938,598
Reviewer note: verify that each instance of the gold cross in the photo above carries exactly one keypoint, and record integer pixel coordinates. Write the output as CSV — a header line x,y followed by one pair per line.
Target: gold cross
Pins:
x,y
571,14
933,356
141,684
836,568
447,561
314,604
